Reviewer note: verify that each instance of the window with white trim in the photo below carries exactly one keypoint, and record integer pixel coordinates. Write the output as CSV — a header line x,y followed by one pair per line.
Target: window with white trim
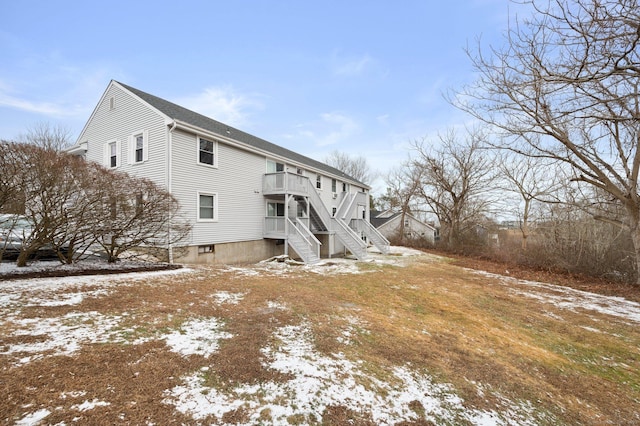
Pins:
x,y
334,186
274,166
275,209
319,181
139,147
207,207
207,152
112,154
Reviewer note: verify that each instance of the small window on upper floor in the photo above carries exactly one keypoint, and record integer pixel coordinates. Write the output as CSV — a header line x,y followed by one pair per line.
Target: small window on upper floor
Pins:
x,y
112,154
319,182
207,152
139,147
334,185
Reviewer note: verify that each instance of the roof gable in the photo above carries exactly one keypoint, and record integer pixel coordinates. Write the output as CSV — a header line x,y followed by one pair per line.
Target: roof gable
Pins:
x,y
179,113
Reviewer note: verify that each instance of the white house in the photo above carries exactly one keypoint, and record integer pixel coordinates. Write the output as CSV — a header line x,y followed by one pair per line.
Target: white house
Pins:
x,y
247,199
390,224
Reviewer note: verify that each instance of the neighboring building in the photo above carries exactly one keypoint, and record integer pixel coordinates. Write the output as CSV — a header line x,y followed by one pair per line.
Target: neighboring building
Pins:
x,y
390,224
247,199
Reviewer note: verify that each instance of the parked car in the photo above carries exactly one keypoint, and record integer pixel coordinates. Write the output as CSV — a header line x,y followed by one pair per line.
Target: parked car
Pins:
x,y
14,231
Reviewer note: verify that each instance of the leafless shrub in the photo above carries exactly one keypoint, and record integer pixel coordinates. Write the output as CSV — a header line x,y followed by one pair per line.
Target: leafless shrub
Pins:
x,y
72,205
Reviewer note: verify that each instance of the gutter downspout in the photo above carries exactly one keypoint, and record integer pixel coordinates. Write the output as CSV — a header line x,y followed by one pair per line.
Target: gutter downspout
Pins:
x,y
169,181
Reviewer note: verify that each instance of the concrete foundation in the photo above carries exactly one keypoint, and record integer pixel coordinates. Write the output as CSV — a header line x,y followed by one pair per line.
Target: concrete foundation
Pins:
x,y
230,253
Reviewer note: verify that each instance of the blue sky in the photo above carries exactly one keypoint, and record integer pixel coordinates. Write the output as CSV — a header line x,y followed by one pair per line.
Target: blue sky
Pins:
x,y
362,77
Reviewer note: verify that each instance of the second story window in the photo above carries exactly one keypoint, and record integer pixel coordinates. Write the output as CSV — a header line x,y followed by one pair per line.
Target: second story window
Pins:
x,y
112,154
139,147
207,152
319,182
334,185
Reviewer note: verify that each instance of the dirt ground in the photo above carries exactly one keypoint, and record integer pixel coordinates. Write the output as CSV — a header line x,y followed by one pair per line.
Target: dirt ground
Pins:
x,y
390,341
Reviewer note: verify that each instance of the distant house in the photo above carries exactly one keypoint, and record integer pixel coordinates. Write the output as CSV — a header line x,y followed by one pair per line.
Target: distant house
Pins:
x,y
391,225
247,199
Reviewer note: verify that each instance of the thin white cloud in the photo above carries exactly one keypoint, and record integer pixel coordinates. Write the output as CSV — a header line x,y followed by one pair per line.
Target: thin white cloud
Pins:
x,y
383,119
44,108
224,104
336,128
351,67
67,92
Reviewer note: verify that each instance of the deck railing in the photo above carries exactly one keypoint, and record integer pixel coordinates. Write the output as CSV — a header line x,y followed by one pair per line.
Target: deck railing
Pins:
x,y
274,225
281,182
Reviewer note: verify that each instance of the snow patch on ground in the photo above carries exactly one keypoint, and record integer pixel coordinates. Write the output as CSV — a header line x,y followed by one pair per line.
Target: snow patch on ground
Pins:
x,y
197,337
63,335
319,381
222,297
569,298
90,405
33,418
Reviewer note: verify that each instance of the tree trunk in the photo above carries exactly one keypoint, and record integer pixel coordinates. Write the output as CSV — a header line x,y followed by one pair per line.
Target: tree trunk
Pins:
x,y
635,238
23,256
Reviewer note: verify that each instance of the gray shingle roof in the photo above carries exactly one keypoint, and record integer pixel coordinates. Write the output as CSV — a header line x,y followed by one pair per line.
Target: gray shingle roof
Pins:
x,y
185,115
379,221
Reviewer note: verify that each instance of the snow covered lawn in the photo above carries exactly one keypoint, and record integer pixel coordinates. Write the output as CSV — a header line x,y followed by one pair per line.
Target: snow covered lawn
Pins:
x,y
404,338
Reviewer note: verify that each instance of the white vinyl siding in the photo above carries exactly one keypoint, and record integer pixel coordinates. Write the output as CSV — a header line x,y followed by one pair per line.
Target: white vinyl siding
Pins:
x,y
129,117
237,181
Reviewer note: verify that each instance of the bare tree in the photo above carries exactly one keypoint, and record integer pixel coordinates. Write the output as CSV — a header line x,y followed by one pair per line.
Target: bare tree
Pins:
x,y
403,187
137,214
355,167
47,136
565,87
11,200
534,181
456,177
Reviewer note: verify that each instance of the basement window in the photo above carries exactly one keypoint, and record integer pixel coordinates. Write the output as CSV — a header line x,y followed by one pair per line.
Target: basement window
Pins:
x,y
210,248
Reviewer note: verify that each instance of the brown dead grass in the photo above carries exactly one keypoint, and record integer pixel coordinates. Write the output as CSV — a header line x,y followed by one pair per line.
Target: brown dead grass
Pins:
x,y
459,327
